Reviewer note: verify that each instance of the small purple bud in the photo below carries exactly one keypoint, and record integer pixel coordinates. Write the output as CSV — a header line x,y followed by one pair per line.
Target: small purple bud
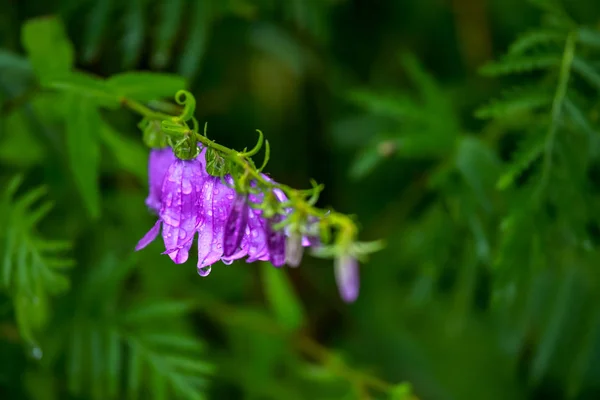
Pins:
x,y
235,225
294,249
275,241
346,276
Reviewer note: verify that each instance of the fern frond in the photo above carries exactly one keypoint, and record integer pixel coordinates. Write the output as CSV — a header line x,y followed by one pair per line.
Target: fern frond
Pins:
x,y
521,64
587,71
535,38
530,150
147,346
395,107
32,264
518,100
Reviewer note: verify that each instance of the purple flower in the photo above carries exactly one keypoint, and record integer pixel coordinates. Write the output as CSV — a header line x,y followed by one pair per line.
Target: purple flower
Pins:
x,y
346,276
158,163
188,200
179,211
235,226
216,203
275,241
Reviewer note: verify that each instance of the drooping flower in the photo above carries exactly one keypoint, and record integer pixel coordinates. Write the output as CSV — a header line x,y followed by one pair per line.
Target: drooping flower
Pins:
x,y
236,225
159,162
216,202
346,276
179,213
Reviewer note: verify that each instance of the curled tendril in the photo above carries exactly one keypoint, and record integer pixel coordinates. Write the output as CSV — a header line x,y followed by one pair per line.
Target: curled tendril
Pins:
x,y
188,101
267,156
316,191
205,127
195,124
256,148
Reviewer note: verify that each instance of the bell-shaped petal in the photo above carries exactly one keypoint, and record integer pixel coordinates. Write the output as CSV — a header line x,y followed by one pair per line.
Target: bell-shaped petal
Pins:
x,y
294,249
216,202
149,236
180,210
346,276
159,162
275,241
235,226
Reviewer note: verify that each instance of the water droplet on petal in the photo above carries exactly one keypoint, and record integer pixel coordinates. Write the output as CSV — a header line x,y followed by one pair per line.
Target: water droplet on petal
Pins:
x,y
226,261
204,271
182,234
186,187
216,191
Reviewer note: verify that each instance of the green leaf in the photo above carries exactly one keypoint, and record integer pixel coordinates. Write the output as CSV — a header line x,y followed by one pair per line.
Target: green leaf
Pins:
x,y
530,149
170,16
401,391
97,23
197,41
130,154
48,48
87,86
146,86
521,64
82,142
479,167
133,38
281,297
529,40
516,101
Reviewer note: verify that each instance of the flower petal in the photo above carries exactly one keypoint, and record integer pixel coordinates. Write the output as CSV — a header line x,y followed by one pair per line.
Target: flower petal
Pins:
x,y
275,241
180,209
216,199
235,225
346,276
149,236
158,165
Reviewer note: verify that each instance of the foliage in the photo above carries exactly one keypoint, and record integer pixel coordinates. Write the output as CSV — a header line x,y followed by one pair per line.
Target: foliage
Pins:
x,y
470,144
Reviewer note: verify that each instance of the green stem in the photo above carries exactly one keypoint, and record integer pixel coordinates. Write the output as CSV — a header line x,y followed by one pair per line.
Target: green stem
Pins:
x,y
340,221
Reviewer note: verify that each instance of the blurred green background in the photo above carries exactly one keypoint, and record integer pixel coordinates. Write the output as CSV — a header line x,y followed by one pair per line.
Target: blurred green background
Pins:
x,y
482,177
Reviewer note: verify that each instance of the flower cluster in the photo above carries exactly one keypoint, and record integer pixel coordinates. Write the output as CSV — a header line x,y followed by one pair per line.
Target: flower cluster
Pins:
x,y
188,200
199,187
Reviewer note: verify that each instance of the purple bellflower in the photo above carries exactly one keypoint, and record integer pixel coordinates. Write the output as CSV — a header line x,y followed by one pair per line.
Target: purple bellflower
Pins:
x,y
188,201
158,164
179,213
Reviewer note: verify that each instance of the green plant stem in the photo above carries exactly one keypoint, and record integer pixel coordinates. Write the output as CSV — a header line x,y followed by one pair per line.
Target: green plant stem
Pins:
x,y
306,345
338,220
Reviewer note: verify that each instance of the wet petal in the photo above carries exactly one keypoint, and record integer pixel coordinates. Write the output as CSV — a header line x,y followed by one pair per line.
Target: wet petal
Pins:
x,y
159,162
177,242
181,205
216,200
149,236
346,276
275,241
235,226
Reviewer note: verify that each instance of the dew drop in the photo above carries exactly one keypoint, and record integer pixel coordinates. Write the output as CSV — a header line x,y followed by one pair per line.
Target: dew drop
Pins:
x,y
226,261
204,271
182,234
216,191
36,352
186,187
